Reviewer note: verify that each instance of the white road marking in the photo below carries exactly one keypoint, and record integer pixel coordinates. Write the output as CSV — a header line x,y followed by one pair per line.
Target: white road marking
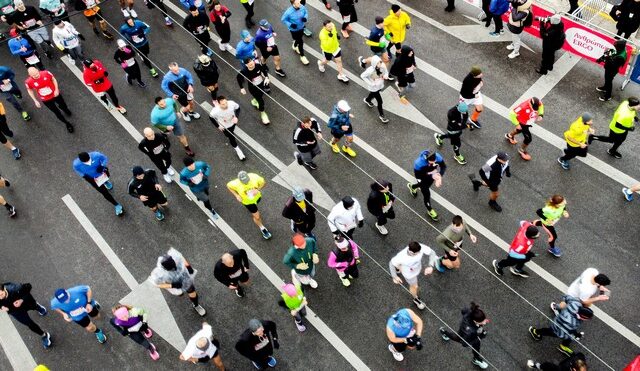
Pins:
x,y
14,347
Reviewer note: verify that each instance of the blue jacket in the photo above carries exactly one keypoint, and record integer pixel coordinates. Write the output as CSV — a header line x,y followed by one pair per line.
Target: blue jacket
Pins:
x,y
338,119
499,7
262,36
245,50
567,321
421,163
171,77
187,175
98,162
187,4
15,45
7,73
293,16
138,31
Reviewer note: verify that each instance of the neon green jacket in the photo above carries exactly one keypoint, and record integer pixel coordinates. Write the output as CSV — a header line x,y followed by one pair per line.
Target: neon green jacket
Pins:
x,y
624,116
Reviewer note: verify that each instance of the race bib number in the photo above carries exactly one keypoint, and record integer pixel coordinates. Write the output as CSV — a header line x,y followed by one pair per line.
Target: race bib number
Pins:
x,y
45,91
236,274
130,62
346,18
7,9
257,80
271,41
5,87
32,59
30,23
200,29
90,3
102,179
158,150
410,69
137,39
252,193
197,179
78,312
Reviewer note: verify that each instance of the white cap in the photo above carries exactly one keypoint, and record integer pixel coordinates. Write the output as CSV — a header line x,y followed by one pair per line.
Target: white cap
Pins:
x,y
343,106
121,43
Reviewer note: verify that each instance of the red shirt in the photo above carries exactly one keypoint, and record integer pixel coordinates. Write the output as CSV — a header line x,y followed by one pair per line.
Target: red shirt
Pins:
x,y
43,85
525,114
521,244
97,79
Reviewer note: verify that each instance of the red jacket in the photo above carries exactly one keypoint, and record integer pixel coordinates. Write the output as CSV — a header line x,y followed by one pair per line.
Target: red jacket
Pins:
x,y
215,15
521,244
97,79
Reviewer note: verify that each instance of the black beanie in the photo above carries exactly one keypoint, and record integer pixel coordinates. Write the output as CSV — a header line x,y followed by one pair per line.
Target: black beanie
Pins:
x,y
168,263
347,202
532,232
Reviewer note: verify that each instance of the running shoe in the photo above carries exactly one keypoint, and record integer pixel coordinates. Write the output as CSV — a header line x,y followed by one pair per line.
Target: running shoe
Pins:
x,y
534,333
119,210
167,22
383,119
480,363
311,165
313,283
476,124
307,32
254,102
349,151
265,118
167,178
108,185
513,54
343,78
439,267
345,282
438,138
122,110
16,153
524,154
295,48
265,233
280,73
300,327
460,159
565,350
335,148
433,215
519,272
361,62
42,311
419,303
153,72
239,292
159,215
476,183
25,116
46,340
271,362
194,115
604,99
102,338
555,251
153,353
304,60
142,84
565,164
600,89
240,154
494,34
321,66
148,333
200,310
396,355
614,154
494,205
186,117
413,191
382,229
171,171
496,268
443,334
189,152
367,102
214,215
628,195
510,139
70,128
12,211
531,363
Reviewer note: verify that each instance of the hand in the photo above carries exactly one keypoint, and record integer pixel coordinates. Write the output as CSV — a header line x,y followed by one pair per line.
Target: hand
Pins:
x,y
344,127
221,128
473,238
190,89
428,271
316,259
234,120
158,187
266,81
618,12
239,198
603,298
66,317
304,19
88,307
175,97
360,223
351,115
100,169
269,48
294,26
565,214
144,198
170,128
293,312
438,181
397,280
319,136
176,285
18,303
302,266
56,93
4,309
408,26
233,287
583,145
6,81
243,91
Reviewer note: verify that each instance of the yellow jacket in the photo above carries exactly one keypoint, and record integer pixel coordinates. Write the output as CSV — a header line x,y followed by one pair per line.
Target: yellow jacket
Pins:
x,y
397,26
329,44
250,192
578,131
624,116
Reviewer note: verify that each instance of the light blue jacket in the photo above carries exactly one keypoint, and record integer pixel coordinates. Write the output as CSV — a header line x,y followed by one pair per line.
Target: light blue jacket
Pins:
x,y
293,16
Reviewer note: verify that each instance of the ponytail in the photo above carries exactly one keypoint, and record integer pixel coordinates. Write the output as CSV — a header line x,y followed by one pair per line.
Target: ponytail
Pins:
x,y
476,313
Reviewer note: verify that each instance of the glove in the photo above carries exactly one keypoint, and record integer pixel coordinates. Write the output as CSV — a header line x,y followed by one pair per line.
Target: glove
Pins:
x,y
100,169
382,44
81,36
304,19
361,224
276,344
302,266
176,285
418,343
408,26
294,26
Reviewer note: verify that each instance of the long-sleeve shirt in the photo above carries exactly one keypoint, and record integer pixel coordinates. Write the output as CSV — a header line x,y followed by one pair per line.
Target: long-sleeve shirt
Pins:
x,y
157,147
303,213
329,40
397,26
623,119
27,19
7,73
65,37
227,275
208,74
341,219
375,38
305,139
136,34
173,83
423,167
143,187
578,131
198,178
374,76
245,50
97,78
567,322
341,260
53,8
258,348
95,168
456,120
256,76
295,256
15,291
15,46
294,18
450,239
196,25
471,86
125,57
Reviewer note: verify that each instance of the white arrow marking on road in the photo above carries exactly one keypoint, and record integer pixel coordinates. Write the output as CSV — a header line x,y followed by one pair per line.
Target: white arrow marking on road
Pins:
x,y
144,295
498,108
14,347
293,174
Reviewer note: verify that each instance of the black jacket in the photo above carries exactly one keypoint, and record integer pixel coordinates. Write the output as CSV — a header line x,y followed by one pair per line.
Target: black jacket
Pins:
x,y
159,144
377,199
301,136
614,58
494,171
144,187
121,56
15,291
255,348
404,61
468,330
552,35
304,221
240,265
468,85
196,25
260,70
456,121
629,18
208,74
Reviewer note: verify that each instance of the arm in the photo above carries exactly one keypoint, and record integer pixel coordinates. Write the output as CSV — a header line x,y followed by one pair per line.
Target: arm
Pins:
x,y
165,86
244,259
418,322
288,261
222,278
393,338
131,189
285,18
240,79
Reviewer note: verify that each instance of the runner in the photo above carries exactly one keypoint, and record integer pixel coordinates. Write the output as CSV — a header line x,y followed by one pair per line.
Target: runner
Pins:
x,y
248,6
24,49
403,69
232,271
613,60
136,31
577,139
10,208
16,300
246,47
345,216
219,16
224,117
378,40
470,332
96,77
202,348
408,262
178,84
207,71
126,58
330,47
144,186
344,258
132,322
266,41
577,362
523,116
164,116
428,169
45,85
550,214
340,125
302,258
621,124
28,19
300,209
628,192
196,176
451,241
457,118
519,251
404,329
246,189
396,25
256,74
471,95
11,91
6,11
197,23
293,299
590,288
92,13
156,146
77,304
6,132
174,273
491,176
257,343
67,38
92,167
380,204
295,18
374,76
347,10
305,137
566,324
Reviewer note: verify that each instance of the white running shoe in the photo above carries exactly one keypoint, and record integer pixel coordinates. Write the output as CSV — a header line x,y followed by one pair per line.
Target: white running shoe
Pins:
x,y
321,66
382,229
171,171
313,283
221,46
343,78
239,153
167,178
510,47
194,115
397,355
186,117
513,55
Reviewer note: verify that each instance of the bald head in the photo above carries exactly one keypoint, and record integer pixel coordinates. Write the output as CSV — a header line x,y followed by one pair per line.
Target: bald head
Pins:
x,y
148,133
33,72
227,259
202,344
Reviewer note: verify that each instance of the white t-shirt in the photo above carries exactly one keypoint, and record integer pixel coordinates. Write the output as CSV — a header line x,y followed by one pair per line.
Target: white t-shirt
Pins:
x,y
410,265
192,351
583,288
225,117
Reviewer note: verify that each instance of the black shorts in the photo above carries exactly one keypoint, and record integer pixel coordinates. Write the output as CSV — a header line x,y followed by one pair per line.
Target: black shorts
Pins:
x,y
405,80
266,54
253,208
91,18
329,56
449,257
337,135
206,359
155,198
85,321
399,347
183,100
244,277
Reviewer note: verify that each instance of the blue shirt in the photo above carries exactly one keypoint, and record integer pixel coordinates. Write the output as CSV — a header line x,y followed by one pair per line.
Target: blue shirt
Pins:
x,y
262,36
75,306
293,16
400,323
183,79
7,73
91,170
136,34
421,163
163,117
187,4
245,50
15,45
198,179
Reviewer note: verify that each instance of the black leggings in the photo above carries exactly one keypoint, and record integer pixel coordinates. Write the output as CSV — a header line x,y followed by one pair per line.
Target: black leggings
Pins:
x,y
140,339
22,315
549,332
382,217
249,8
475,344
571,152
298,41
54,104
112,94
224,31
133,73
510,261
144,52
424,183
258,95
162,161
352,271
376,95
454,138
615,138
103,191
524,130
552,230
